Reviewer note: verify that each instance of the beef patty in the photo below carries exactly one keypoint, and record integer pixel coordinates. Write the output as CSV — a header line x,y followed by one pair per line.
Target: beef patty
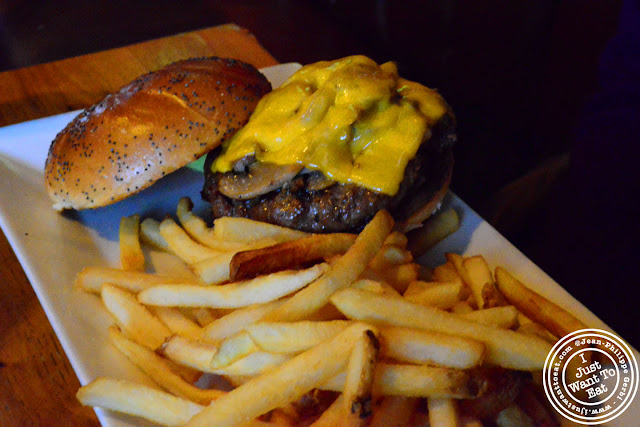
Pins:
x,y
339,207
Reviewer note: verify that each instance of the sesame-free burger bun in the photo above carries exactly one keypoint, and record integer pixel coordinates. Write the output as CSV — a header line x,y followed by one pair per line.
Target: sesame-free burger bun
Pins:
x,y
158,123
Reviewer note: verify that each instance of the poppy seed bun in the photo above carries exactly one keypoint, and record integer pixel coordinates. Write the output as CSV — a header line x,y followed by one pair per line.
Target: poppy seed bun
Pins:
x,y
153,126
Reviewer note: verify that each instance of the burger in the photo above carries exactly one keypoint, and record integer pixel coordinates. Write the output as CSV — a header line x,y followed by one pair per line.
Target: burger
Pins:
x,y
337,142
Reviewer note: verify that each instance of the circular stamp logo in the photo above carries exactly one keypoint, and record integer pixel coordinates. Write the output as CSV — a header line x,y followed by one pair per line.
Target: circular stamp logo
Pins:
x,y
590,376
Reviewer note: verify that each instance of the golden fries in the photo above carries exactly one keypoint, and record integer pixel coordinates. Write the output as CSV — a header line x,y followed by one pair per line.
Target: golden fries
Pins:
x,y
159,371
422,347
501,317
182,245
442,412
241,294
281,385
294,254
131,256
136,399
504,347
176,321
418,381
436,294
555,319
282,337
216,269
359,379
278,313
198,230
91,279
245,230
134,318
235,321
150,234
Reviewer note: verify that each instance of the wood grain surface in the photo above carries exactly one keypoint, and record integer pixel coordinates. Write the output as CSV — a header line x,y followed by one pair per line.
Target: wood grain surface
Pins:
x,y
37,383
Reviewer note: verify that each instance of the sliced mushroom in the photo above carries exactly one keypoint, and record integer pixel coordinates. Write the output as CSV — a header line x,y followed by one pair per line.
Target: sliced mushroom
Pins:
x,y
261,179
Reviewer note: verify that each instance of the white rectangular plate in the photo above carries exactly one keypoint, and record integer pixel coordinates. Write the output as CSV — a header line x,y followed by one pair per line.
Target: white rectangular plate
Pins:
x,y
52,248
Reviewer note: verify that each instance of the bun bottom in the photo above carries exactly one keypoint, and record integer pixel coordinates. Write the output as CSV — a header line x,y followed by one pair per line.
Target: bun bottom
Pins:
x,y
431,204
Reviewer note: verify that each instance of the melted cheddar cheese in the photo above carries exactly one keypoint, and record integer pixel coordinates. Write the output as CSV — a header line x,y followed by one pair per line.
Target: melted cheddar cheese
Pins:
x,y
353,120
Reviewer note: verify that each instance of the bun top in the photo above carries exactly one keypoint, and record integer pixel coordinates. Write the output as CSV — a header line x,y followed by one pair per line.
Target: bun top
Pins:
x,y
153,126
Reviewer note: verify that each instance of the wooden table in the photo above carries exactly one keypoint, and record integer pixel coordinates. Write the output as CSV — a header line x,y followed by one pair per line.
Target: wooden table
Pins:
x,y
37,383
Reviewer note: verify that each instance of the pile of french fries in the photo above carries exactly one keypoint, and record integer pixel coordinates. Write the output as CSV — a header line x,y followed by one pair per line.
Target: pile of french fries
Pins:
x,y
348,322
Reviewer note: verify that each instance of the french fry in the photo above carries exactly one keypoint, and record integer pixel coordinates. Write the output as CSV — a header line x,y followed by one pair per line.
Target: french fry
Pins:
x,y
198,230
422,347
237,320
150,235
281,385
159,371
435,229
359,379
376,287
478,274
233,295
505,317
443,412
91,279
529,327
245,230
341,274
139,400
177,322
394,411
198,355
398,276
282,337
288,255
397,239
182,245
446,273
418,381
255,363
436,294
275,329
504,347
539,309
390,255
233,349
476,288
213,271
217,269
203,316
461,307
188,352
131,256
134,318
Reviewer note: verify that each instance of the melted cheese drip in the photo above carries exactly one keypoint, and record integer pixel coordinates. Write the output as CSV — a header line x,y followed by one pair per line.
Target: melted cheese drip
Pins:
x,y
351,119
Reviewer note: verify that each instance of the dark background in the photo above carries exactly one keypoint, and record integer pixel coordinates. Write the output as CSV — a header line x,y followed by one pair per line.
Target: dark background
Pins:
x,y
519,75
